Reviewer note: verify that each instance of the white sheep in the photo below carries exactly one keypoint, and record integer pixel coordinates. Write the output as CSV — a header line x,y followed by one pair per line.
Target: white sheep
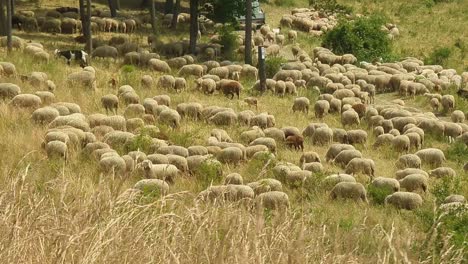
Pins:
x,y
56,148
350,118
443,172
404,200
408,161
457,116
273,200
389,184
152,186
432,156
165,172
345,156
301,104
356,165
26,101
233,178
349,190
335,149
414,182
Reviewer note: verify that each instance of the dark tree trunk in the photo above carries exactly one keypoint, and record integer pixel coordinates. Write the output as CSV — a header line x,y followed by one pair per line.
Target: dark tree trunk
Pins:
x,y
87,25
2,18
112,7
153,16
8,26
193,25
248,32
169,6
175,14
83,16
13,7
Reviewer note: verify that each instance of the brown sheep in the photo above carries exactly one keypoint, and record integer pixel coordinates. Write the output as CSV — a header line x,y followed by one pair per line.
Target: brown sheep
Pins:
x,y
231,88
295,141
360,109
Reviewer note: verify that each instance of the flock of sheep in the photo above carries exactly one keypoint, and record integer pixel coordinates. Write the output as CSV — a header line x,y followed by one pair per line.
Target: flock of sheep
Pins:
x,y
347,90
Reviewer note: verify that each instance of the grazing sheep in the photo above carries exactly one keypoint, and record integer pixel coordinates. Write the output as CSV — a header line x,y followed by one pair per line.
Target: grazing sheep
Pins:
x,y
231,88
163,99
233,178
358,136
400,174
386,184
152,186
457,116
313,167
335,149
301,104
250,135
224,118
191,70
9,90
105,52
345,156
56,148
266,185
414,182
26,101
272,200
404,200
350,118
408,161
292,36
322,136
448,102
401,143
321,108
443,172
356,165
432,156
166,82
147,81
45,115
455,198
221,135
232,155
170,117
296,141
159,65
308,157
266,141
435,104
349,190
280,88
112,164
110,102
165,172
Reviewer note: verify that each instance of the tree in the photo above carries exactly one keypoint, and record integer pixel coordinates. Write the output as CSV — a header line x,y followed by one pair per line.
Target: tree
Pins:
x,y
153,16
248,32
2,18
193,25
175,14
112,7
83,16
226,11
168,6
8,26
89,40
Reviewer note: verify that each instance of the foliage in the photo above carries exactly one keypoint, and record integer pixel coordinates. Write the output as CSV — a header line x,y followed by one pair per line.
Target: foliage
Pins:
x,y
273,65
458,151
361,37
284,2
226,11
439,56
445,187
141,142
208,173
228,38
378,194
331,6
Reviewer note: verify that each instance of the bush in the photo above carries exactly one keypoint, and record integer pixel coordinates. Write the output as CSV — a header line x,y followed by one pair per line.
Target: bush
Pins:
x,y
228,38
209,173
445,187
361,37
458,152
273,65
331,6
378,195
439,56
283,2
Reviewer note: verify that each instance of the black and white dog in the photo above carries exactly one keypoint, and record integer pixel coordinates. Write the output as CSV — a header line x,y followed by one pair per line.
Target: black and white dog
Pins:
x,y
78,55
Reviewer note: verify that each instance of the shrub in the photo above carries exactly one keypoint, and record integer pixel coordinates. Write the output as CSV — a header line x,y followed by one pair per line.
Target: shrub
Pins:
x,y
209,173
331,6
378,194
228,38
361,37
458,152
273,65
445,187
284,2
439,56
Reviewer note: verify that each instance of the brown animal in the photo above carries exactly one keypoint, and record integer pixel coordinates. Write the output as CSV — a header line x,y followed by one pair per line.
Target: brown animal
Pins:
x,y
295,141
113,83
463,93
360,109
251,101
232,88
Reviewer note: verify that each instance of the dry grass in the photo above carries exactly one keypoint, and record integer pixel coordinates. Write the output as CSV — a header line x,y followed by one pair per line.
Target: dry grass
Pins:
x,y
56,212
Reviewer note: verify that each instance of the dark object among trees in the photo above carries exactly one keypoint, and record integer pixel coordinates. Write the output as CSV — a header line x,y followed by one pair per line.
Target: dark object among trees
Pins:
x,y
193,25
168,6
175,14
2,18
248,32
153,16
8,25
87,28
112,7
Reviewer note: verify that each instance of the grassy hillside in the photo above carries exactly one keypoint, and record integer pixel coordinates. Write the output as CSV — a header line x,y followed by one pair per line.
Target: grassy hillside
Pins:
x,y
53,211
